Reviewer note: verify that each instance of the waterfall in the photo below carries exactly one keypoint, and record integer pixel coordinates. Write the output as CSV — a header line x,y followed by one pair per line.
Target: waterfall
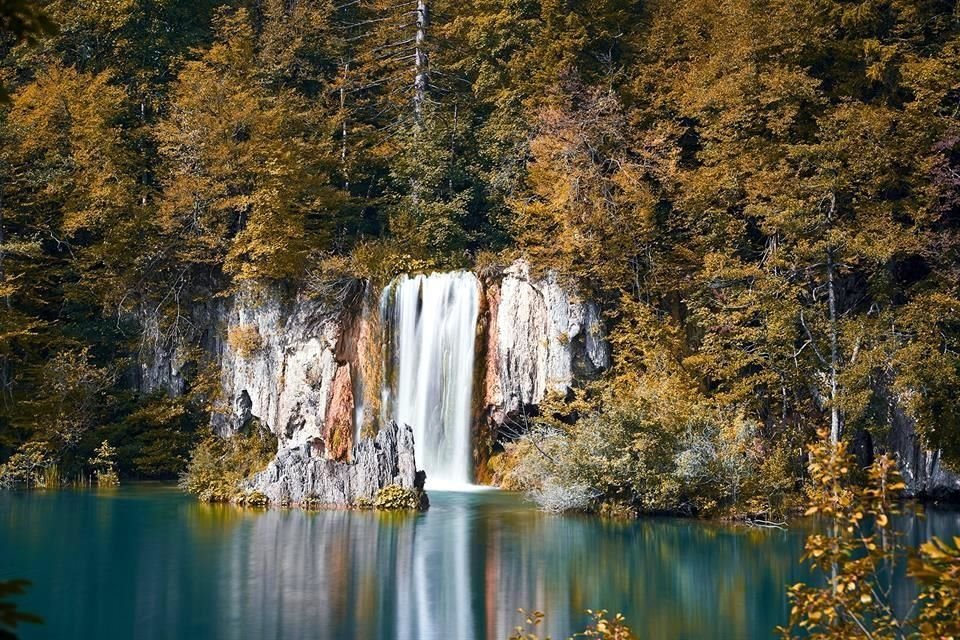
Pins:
x,y
430,324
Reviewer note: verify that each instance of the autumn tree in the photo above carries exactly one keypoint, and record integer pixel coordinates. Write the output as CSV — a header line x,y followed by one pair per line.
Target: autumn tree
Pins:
x,y
243,187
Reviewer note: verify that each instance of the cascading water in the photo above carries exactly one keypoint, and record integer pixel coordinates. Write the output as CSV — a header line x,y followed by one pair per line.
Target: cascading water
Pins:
x,y
431,324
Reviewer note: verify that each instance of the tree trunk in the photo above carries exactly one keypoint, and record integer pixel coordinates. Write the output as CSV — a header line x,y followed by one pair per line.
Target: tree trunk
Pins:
x,y
834,351
421,79
343,127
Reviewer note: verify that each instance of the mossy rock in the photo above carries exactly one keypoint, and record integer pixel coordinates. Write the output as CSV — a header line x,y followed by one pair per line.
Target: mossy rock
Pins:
x,y
253,499
311,503
396,498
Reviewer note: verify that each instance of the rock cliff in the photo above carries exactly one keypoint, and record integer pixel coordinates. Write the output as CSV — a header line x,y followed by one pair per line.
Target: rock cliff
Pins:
x,y
299,368
293,366
923,472
303,471
541,339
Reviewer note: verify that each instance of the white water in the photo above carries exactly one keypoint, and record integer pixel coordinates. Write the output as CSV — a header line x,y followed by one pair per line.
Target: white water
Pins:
x,y
432,323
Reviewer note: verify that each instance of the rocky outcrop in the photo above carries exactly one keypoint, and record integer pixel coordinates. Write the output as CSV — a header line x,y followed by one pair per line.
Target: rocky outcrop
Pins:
x,y
312,374
277,364
922,469
168,355
302,473
541,339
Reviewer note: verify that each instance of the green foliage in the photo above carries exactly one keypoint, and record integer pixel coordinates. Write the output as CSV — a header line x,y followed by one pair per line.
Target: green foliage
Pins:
x,y
218,465
153,435
396,498
858,553
24,22
10,614
73,392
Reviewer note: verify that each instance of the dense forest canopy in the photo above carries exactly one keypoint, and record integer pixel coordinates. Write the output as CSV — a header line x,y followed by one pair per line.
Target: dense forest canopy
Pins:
x,y
763,195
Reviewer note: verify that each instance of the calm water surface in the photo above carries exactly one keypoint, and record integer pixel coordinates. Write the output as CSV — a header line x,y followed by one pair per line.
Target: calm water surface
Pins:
x,y
147,562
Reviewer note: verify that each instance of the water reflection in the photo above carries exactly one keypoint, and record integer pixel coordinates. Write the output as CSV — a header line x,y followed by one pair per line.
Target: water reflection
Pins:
x,y
152,564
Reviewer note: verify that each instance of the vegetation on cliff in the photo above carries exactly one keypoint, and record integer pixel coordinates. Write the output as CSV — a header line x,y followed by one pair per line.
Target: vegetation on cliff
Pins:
x,y
218,466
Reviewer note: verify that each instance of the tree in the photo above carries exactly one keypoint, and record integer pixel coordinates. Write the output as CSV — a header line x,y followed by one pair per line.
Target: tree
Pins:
x,y
73,390
22,21
104,465
239,186
858,555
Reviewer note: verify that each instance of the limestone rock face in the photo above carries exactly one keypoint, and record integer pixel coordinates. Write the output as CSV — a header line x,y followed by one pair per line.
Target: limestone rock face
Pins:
x,y
278,364
165,356
301,472
922,469
541,339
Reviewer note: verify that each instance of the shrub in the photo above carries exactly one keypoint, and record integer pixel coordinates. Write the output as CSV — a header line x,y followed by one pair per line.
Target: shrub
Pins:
x,y
555,497
218,465
396,498
104,465
244,339
601,627
647,453
311,502
26,467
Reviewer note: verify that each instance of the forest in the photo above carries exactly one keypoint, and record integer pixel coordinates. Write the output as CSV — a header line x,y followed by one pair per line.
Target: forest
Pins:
x,y
763,196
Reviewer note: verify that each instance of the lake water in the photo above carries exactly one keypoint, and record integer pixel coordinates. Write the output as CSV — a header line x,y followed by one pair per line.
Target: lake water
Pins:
x,y
148,562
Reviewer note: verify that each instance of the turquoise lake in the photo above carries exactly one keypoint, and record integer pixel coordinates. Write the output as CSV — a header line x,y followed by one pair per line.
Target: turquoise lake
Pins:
x,y
148,562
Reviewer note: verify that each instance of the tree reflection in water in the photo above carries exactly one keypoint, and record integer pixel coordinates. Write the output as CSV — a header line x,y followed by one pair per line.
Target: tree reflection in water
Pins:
x,y
153,564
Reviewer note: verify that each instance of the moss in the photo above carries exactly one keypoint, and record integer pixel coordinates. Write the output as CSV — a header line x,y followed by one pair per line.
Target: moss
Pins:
x,y
396,498
244,339
311,503
252,499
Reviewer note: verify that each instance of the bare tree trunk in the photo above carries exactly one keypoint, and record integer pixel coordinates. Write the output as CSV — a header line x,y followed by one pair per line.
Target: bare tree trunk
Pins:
x,y
343,127
834,351
831,198
420,61
4,361
420,84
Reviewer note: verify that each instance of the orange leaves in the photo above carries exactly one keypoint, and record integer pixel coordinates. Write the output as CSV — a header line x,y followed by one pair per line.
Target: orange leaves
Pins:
x,y
855,550
937,568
